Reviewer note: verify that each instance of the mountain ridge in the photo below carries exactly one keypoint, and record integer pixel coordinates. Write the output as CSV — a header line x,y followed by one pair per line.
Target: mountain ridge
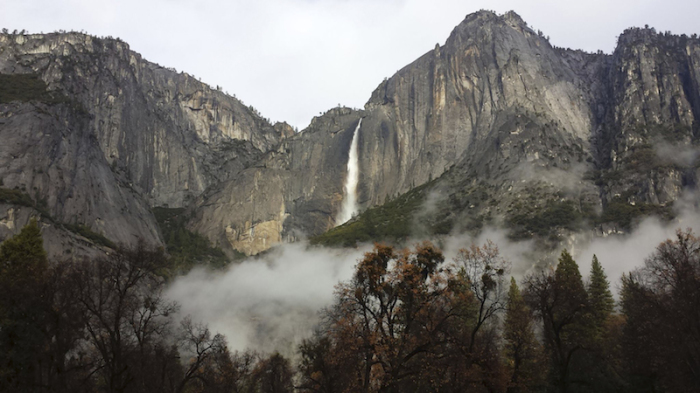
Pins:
x,y
493,116
154,137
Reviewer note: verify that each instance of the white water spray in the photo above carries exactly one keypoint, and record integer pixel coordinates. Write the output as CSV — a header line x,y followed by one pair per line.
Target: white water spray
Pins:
x,y
350,188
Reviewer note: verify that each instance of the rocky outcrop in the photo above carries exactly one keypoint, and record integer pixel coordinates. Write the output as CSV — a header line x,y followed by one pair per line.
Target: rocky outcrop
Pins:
x,y
50,154
552,141
169,132
649,142
295,190
119,135
494,82
519,133
495,96
59,242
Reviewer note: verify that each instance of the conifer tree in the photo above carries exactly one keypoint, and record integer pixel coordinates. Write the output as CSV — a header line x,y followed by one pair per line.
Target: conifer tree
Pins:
x,y
24,254
23,267
561,302
603,353
599,296
569,320
521,347
569,286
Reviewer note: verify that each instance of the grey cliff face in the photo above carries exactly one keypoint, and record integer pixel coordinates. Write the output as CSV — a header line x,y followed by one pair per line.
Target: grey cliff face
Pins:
x,y
524,135
556,137
492,76
295,190
650,133
505,129
127,135
495,96
167,131
49,153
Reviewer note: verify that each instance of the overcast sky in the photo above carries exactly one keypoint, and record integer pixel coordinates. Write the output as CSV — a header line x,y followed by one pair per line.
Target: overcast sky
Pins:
x,y
292,59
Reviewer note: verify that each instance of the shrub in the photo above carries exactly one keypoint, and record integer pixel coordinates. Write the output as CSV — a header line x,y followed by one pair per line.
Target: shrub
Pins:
x,y
24,88
542,222
86,232
185,247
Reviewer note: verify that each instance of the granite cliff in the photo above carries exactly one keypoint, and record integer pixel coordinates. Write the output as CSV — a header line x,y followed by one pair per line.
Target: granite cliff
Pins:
x,y
494,127
555,141
507,130
108,135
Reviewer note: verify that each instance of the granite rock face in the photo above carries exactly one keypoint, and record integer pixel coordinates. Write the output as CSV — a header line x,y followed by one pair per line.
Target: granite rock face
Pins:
x,y
456,100
505,127
649,142
125,135
535,138
495,81
514,132
501,117
294,191
49,153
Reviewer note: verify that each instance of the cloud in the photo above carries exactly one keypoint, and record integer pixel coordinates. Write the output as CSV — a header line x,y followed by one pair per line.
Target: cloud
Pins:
x,y
521,254
622,254
266,304
273,302
680,154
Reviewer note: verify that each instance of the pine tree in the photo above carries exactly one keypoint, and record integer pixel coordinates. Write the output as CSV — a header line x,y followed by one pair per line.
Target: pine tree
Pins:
x,y
24,254
599,296
521,347
604,330
570,322
569,286
23,271
560,301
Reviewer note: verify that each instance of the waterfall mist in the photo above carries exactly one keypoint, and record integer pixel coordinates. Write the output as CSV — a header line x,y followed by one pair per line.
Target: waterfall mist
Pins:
x,y
350,187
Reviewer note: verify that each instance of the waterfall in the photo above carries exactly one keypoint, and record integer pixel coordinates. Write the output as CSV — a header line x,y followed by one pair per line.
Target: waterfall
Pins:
x,y
349,207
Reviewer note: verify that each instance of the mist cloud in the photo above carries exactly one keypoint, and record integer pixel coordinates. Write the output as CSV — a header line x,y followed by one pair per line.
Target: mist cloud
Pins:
x,y
622,254
521,254
273,302
679,154
267,304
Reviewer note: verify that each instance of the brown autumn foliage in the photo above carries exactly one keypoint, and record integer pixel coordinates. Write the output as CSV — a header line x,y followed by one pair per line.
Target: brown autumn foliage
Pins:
x,y
407,323
661,302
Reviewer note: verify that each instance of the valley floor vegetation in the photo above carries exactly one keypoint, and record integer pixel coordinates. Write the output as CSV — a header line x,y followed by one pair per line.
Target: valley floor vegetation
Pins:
x,y
408,321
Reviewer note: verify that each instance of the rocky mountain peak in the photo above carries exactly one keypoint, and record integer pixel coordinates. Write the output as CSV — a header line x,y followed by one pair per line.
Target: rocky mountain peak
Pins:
x,y
584,138
513,17
284,129
489,24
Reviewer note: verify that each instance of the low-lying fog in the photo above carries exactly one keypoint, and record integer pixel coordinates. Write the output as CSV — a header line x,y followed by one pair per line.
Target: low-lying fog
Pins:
x,y
271,303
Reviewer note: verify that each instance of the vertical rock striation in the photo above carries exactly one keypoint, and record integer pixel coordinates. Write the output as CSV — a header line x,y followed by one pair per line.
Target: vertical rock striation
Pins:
x,y
506,128
119,135
294,191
